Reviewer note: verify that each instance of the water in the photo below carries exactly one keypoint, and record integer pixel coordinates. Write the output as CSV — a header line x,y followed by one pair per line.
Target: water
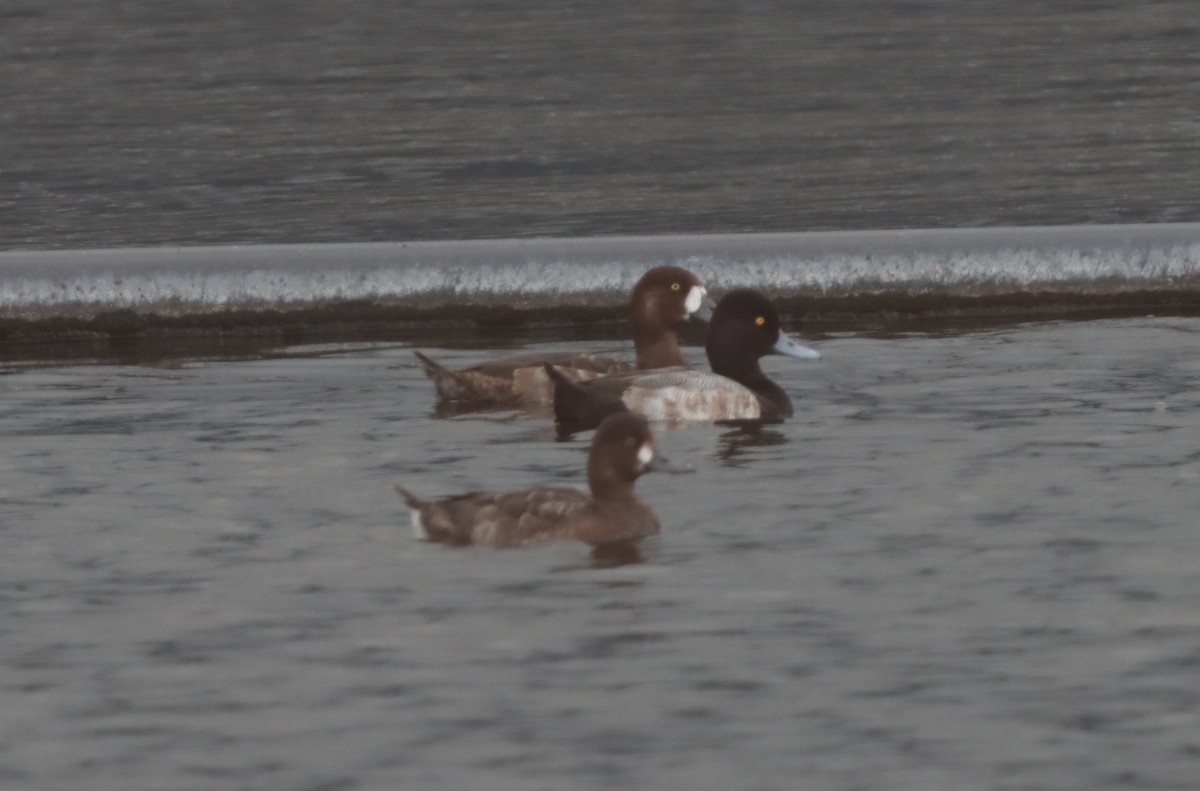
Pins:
x,y
203,122
969,562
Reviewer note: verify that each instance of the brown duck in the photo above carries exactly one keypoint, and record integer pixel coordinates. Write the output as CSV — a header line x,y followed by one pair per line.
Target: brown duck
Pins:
x,y
622,449
663,299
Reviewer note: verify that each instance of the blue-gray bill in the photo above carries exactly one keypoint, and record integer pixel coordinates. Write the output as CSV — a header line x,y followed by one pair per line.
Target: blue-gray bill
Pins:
x,y
793,348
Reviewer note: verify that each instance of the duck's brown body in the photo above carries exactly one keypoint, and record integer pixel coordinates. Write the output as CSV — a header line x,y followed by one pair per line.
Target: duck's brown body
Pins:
x,y
531,516
622,449
517,378
662,300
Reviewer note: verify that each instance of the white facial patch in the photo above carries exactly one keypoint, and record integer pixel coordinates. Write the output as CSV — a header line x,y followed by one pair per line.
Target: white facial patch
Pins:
x,y
694,298
645,453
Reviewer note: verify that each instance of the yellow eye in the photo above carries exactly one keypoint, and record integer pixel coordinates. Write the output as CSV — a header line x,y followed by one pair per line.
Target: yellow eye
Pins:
x,y
759,321
674,286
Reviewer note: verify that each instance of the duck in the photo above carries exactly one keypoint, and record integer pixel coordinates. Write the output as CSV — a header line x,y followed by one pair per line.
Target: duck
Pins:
x,y
622,450
662,300
744,328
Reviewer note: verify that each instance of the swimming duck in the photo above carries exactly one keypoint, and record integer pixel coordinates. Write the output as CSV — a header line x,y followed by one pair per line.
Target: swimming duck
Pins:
x,y
622,449
743,329
664,298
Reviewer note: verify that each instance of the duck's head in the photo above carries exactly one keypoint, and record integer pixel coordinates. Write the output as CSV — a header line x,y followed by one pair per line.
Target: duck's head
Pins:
x,y
623,449
745,325
667,296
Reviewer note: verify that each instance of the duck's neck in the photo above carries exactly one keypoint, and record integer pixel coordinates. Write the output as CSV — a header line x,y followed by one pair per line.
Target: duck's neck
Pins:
x,y
775,402
748,373
657,348
621,520
609,487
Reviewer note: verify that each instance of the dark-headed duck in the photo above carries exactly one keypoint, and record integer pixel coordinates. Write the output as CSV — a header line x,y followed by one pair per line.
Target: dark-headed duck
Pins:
x,y
622,449
664,298
743,329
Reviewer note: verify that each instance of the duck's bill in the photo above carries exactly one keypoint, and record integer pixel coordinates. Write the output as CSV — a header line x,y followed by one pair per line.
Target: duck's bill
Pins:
x,y
663,464
793,348
699,304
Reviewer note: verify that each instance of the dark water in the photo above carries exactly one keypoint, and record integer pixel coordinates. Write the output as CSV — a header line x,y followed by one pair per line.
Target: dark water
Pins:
x,y
970,561
147,123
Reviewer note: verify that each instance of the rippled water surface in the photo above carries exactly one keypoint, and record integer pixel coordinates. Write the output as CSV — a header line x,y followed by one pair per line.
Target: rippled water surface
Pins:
x,y
218,122
971,561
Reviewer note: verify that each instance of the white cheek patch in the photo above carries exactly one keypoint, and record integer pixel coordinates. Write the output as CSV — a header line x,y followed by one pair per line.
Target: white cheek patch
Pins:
x,y
645,453
694,297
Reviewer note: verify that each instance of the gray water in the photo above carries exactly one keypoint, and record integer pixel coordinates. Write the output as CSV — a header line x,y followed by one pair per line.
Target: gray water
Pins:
x,y
970,561
219,122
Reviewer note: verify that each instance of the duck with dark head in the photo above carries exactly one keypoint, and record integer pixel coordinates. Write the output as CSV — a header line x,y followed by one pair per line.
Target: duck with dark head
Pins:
x,y
744,329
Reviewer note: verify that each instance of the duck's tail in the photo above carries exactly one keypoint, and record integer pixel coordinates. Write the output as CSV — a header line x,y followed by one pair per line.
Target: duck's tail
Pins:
x,y
410,499
575,407
449,384
432,522
414,504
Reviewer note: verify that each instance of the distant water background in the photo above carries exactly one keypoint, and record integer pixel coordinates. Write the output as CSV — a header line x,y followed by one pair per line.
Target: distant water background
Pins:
x,y
194,124
218,125
969,562
140,123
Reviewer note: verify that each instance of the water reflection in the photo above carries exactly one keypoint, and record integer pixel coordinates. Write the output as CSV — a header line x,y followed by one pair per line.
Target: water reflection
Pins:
x,y
692,639
609,556
746,434
446,410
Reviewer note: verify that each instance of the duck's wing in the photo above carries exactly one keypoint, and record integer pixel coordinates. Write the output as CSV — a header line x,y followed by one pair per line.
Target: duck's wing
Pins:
x,y
527,373
513,378
466,386
699,396
579,406
573,363
678,377
502,519
672,394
